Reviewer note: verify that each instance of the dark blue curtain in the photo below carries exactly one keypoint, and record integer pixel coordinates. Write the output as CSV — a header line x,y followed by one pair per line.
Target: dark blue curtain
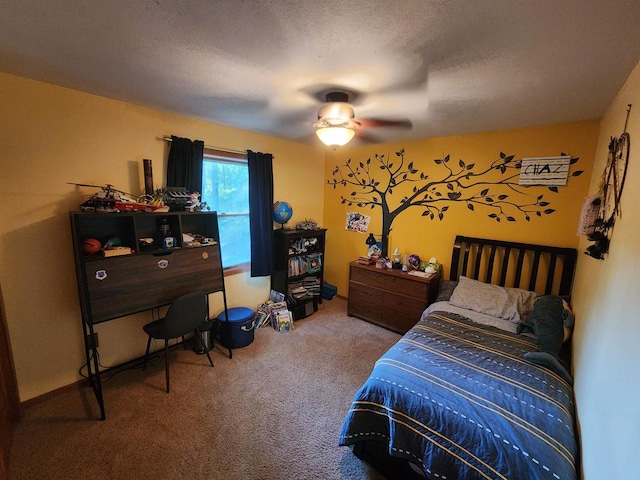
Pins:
x,y
184,168
260,212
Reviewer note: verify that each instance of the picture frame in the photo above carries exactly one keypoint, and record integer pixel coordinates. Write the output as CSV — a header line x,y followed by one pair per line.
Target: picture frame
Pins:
x,y
314,263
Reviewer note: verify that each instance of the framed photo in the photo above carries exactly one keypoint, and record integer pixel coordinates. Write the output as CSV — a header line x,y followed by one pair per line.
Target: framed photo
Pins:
x,y
314,263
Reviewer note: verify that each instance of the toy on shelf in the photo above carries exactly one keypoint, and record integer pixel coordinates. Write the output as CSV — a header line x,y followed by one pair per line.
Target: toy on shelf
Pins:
x,y
110,199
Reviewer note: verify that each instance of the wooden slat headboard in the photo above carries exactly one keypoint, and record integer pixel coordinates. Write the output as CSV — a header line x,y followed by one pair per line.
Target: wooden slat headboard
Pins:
x,y
548,270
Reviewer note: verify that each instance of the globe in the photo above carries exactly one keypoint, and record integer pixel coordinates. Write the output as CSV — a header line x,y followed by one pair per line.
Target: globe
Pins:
x,y
282,212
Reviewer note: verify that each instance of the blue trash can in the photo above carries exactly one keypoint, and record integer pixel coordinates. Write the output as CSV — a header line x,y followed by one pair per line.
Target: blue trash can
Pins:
x,y
238,332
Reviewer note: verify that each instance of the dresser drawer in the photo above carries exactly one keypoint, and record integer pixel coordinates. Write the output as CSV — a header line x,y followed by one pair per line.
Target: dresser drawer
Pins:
x,y
407,305
367,277
406,286
365,294
364,310
398,321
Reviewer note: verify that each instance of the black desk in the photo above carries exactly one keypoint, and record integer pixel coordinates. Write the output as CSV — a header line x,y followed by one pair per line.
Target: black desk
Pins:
x,y
114,287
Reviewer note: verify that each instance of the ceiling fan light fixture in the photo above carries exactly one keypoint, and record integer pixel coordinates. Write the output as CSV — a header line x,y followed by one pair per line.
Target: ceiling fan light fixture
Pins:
x,y
335,136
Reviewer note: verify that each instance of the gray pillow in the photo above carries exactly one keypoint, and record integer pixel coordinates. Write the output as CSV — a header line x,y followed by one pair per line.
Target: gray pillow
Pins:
x,y
511,304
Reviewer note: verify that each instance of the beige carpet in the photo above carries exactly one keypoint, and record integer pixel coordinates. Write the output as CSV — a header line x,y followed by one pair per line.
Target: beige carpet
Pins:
x,y
274,411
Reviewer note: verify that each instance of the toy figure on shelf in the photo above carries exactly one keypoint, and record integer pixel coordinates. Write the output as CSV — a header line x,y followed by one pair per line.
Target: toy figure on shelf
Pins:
x,y
307,224
396,264
110,199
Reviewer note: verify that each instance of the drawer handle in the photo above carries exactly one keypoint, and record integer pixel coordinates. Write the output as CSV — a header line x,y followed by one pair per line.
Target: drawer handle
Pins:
x,y
162,254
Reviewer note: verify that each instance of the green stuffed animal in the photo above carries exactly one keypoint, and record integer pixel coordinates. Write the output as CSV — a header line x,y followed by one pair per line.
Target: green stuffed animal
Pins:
x,y
551,320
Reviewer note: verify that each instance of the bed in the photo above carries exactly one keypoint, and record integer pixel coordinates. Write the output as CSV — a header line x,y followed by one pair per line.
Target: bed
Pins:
x,y
454,398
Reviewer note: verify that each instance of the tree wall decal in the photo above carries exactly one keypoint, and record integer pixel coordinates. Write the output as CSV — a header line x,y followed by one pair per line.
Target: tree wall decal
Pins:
x,y
493,189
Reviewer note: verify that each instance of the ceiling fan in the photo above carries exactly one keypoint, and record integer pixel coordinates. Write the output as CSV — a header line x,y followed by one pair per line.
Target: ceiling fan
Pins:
x,y
337,123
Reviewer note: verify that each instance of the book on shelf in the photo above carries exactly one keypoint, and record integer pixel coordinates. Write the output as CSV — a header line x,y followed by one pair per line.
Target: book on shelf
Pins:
x,y
302,264
306,289
311,283
116,251
296,291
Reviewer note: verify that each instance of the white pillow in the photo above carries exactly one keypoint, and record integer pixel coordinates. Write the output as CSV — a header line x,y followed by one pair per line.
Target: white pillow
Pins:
x,y
511,304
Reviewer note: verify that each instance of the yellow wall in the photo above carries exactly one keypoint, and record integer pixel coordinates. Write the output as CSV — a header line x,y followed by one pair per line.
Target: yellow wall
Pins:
x,y
607,305
51,135
413,233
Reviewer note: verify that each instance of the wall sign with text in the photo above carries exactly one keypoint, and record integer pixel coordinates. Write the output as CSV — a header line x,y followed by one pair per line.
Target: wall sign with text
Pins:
x,y
544,171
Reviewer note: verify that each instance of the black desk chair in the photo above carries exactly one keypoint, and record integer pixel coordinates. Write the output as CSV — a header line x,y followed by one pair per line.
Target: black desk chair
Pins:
x,y
184,316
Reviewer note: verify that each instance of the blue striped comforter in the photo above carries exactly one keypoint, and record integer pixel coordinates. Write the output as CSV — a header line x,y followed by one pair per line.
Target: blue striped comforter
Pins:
x,y
457,399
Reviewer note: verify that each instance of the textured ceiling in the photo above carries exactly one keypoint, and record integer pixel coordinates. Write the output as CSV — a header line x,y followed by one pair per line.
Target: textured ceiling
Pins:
x,y
449,66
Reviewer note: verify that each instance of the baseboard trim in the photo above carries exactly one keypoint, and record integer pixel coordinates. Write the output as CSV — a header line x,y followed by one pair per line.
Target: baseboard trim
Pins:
x,y
84,382
53,393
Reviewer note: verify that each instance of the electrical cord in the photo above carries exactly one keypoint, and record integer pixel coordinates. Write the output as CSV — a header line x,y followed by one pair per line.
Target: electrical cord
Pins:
x,y
107,372
156,355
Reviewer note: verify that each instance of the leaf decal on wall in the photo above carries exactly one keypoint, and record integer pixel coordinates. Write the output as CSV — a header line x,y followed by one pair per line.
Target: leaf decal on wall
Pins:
x,y
462,183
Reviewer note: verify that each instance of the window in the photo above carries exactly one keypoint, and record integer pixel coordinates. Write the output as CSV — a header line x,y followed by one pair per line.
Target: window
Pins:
x,y
225,189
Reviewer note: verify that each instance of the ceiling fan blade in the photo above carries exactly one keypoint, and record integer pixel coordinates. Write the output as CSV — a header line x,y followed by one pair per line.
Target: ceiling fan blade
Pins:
x,y
379,122
367,138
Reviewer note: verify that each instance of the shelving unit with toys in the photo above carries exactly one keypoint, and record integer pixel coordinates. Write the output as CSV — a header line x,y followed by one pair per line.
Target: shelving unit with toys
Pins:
x,y
167,255
299,268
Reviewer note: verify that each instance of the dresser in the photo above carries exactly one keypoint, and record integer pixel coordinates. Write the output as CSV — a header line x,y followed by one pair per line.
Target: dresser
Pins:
x,y
389,298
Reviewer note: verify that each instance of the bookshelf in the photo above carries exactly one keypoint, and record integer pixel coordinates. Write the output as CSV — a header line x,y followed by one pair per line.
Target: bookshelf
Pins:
x,y
299,268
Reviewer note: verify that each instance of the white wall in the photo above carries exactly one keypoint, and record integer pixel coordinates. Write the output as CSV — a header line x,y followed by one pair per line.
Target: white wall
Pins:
x,y
607,304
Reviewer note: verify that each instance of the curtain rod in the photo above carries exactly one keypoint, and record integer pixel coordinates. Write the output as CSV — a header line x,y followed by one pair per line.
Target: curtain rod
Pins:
x,y
168,139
